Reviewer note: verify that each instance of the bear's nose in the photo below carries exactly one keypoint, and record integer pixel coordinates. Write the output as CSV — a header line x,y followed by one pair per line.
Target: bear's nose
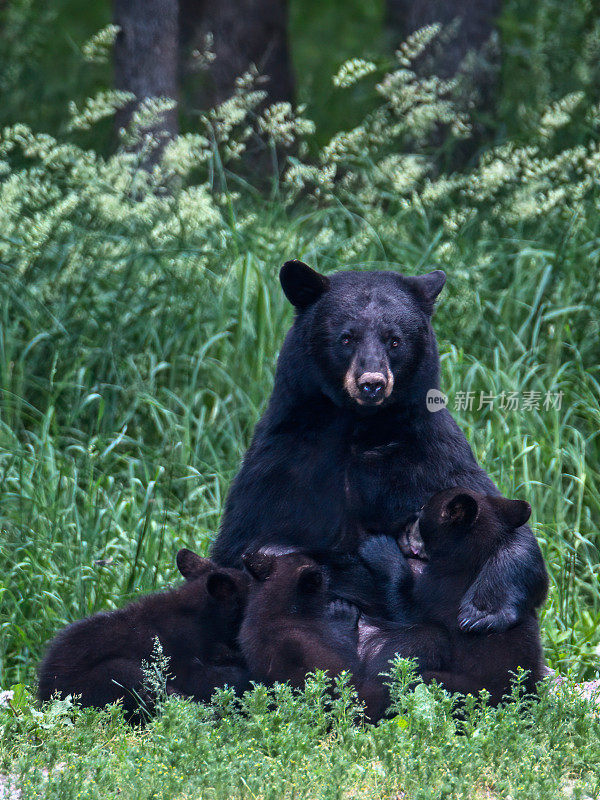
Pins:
x,y
371,385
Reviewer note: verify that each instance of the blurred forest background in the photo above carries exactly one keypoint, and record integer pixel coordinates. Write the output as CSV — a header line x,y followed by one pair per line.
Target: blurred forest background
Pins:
x,y
151,184
524,54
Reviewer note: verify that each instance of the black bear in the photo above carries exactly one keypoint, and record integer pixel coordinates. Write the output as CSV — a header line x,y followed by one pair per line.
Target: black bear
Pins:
x,y
347,446
290,628
100,658
457,532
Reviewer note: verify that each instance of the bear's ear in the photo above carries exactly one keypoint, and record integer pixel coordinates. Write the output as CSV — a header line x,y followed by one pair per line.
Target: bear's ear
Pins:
x,y
310,579
462,510
302,285
192,565
514,512
428,286
259,565
221,586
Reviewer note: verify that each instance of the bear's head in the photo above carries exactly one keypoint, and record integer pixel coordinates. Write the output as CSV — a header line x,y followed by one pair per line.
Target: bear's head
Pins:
x,y
290,583
465,526
368,335
213,597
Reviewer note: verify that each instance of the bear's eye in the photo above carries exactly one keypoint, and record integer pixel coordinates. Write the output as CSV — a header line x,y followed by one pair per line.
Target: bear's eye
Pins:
x,y
345,338
394,342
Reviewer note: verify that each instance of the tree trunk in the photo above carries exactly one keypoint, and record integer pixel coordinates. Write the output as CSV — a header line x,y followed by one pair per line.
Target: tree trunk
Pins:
x,y
476,24
244,32
146,57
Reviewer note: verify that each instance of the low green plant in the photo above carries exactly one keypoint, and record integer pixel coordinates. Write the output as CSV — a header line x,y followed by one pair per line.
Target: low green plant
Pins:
x,y
280,743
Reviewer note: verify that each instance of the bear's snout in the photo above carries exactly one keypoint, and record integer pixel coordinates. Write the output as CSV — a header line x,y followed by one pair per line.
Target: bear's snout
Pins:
x,y
371,385
368,388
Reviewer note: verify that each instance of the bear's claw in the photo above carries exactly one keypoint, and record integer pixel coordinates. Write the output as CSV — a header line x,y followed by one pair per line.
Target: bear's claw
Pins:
x,y
477,620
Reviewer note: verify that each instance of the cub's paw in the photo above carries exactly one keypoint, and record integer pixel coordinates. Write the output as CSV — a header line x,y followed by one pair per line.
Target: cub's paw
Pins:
x,y
341,612
473,619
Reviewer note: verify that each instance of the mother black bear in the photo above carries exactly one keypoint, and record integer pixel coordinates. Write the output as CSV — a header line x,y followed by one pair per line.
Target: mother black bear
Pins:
x,y
347,446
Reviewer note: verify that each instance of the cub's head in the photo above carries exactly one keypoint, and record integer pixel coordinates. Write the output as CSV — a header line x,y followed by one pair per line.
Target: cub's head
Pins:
x,y
290,583
218,595
368,334
466,526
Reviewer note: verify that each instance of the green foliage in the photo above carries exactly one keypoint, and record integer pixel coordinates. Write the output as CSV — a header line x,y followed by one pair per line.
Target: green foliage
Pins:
x,y
41,66
141,318
156,672
551,49
140,323
283,744
322,36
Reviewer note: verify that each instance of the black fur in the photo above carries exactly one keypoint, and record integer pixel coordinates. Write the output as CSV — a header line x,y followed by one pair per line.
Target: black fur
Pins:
x,y
100,658
290,628
325,470
460,531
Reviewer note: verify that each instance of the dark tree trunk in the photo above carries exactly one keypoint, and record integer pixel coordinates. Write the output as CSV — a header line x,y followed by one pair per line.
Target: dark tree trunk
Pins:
x,y
476,24
244,32
146,56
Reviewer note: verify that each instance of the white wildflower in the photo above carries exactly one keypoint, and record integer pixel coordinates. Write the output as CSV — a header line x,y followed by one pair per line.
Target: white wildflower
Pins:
x,y
156,671
346,144
184,153
148,115
5,697
102,105
352,71
558,114
97,49
203,56
416,43
283,126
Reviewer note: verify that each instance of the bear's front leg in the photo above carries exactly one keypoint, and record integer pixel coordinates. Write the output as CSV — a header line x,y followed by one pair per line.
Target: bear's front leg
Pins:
x,y
510,584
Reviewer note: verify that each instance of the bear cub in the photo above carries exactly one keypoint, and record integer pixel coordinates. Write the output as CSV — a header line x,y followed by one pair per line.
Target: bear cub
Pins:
x,y
290,628
455,534
100,658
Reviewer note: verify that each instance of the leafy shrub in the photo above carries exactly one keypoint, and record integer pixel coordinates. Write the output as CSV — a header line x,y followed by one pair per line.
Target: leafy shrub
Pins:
x,y
283,744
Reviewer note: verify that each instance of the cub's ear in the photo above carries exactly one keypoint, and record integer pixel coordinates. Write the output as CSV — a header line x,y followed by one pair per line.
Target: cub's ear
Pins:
x,y
259,565
192,565
302,285
428,286
221,586
462,509
514,512
310,579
